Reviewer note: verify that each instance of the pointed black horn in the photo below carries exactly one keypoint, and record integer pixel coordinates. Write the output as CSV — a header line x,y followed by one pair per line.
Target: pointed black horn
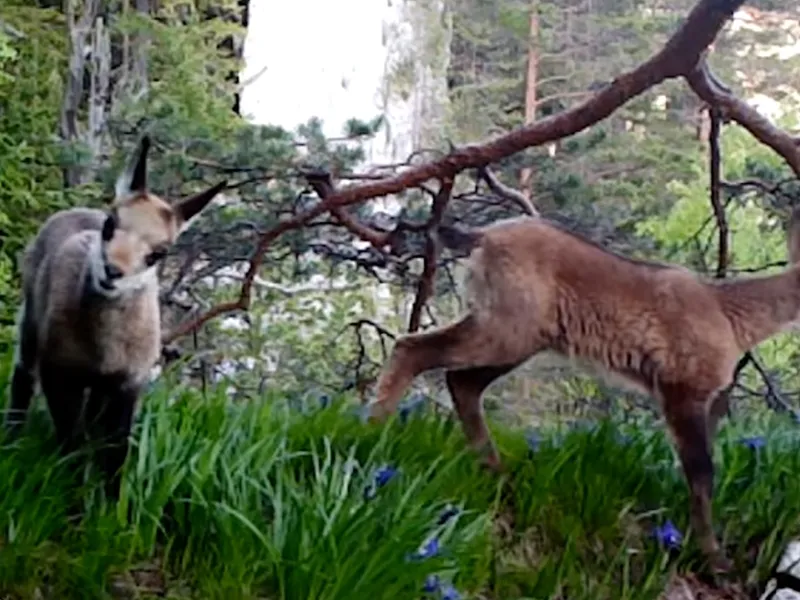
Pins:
x,y
139,175
192,205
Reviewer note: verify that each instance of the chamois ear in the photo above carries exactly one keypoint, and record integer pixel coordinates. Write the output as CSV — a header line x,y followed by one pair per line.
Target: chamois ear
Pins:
x,y
793,236
133,179
189,207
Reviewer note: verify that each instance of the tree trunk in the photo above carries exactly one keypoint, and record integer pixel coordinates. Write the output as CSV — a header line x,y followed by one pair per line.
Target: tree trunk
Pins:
x,y
79,30
526,176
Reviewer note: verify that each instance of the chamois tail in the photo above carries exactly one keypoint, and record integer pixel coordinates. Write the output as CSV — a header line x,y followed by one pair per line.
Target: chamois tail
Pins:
x,y
457,238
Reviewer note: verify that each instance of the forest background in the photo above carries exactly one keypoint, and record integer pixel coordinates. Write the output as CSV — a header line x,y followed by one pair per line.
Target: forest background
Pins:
x,y
267,390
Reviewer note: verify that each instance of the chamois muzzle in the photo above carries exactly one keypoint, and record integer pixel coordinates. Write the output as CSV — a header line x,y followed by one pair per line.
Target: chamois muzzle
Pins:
x,y
112,272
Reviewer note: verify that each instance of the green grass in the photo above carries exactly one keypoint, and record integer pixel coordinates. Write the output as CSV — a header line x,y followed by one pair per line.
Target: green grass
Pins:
x,y
260,500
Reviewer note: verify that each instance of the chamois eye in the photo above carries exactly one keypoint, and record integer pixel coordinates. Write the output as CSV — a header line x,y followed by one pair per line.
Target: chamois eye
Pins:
x,y
155,256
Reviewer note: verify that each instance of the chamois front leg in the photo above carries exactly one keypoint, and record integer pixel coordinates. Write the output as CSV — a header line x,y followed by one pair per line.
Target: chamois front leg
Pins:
x,y
466,388
687,415
462,345
111,406
64,388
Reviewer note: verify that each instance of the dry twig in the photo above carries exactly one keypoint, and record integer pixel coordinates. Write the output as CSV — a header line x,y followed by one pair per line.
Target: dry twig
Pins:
x,y
679,57
425,284
706,85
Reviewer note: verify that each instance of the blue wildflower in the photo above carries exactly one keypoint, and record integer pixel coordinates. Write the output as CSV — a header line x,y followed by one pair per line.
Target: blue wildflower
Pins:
x,y
324,400
448,513
384,474
668,535
380,478
429,549
361,412
450,593
754,443
414,404
623,439
533,440
582,426
432,584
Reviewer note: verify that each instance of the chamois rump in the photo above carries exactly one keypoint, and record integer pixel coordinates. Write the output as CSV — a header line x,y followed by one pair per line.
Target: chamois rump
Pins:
x,y
660,328
89,327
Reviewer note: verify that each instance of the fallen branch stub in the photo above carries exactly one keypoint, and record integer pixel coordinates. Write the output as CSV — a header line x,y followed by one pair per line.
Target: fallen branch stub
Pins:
x,y
678,57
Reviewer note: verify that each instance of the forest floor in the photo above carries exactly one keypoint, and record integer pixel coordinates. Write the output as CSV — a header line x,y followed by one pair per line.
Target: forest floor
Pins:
x,y
265,500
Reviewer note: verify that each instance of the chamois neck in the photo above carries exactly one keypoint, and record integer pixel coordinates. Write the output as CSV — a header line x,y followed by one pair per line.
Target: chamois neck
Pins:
x,y
760,307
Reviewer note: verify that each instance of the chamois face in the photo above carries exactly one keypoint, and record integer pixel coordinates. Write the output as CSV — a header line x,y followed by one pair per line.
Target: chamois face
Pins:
x,y
139,230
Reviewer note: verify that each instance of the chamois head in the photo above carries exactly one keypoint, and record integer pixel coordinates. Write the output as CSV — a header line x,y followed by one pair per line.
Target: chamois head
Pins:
x,y
140,228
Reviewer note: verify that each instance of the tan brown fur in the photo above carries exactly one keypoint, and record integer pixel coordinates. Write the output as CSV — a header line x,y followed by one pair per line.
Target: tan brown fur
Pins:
x,y
90,318
661,328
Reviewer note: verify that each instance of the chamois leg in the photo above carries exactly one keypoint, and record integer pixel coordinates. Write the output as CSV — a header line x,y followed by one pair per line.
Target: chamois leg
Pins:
x,y
111,405
22,381
466,388
461,345
687,416
64,389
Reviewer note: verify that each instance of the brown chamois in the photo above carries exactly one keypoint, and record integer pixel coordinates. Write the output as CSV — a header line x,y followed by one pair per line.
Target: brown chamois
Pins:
x,y
661,328
89,324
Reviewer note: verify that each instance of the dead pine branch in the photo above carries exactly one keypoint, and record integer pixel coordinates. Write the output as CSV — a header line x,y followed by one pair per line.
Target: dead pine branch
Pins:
x,y
322,183
712,91
505,192
715,192
773,396
425,284
678,58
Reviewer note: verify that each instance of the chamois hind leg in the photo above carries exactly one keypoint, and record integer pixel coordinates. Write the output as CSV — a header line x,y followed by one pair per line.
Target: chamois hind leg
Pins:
x,y
111,406
461,345
466,388
687,415
22,380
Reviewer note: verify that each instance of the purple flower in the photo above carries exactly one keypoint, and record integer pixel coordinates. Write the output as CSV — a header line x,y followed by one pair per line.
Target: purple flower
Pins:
x,y
754,443
380,478
448,513
432,584
668,535
450,593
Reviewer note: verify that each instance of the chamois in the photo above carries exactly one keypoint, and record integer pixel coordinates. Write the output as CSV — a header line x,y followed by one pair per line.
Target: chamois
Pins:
x,y
534,286
89,327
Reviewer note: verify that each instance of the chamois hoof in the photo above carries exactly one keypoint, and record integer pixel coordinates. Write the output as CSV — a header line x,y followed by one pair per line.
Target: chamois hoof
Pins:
x,y
493,464
720,564
376,413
